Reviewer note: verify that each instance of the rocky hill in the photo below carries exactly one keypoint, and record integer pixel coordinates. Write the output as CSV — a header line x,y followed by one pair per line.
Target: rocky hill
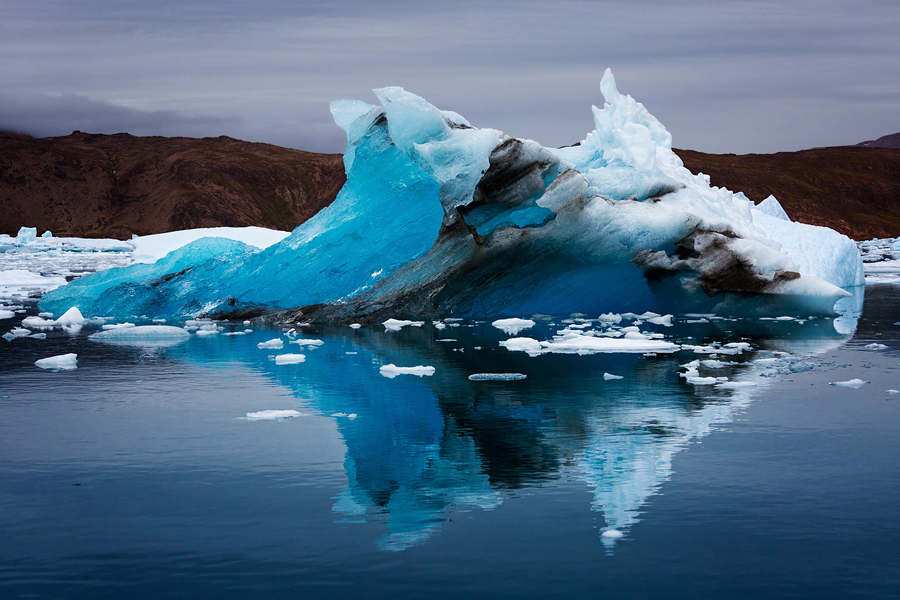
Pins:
x,y
885,141
852,189
118,185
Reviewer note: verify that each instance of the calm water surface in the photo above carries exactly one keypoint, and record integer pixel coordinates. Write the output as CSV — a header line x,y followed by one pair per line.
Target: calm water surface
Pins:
x,y
138,475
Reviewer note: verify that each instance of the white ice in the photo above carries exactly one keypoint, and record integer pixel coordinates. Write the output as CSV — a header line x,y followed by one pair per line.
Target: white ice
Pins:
x,y
273,344
61,362
390,371
290,359
513,326
273,415
141,333
150,248
852,383
610,376
496,376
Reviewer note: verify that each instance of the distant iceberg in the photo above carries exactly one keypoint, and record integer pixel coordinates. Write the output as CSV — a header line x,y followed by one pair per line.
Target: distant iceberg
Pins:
x,y
440,218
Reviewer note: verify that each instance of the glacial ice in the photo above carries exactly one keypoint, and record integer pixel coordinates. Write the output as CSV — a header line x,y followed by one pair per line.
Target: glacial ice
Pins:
x,y
440,218
141,334
391,371
62,362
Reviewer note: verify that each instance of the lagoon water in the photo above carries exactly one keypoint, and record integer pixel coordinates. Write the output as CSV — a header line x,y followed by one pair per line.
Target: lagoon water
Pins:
x,y
140,475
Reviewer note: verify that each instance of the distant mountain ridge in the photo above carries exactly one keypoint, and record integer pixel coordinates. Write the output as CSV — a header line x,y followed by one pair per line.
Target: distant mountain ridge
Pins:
x,y
118,185
886,141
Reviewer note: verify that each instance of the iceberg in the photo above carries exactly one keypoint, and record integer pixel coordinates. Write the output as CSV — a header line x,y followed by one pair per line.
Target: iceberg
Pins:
x,y
440,218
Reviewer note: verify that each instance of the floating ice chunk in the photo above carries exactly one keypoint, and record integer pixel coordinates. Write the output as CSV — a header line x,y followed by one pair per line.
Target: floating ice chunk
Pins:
x,y
62,362
290,359
142,333
355,325
446,340
715,364
206,332
513,326
609,376
613,534
273,344
19,332
875,346
585,344
665,320
72,316
892,391
26,235
125,325
273,415
38,322
801,366
496,376
397,324
38,336
528,345
391,371
852,383
307,342
610,318
8,336
235,333
697,380
7,314
23,278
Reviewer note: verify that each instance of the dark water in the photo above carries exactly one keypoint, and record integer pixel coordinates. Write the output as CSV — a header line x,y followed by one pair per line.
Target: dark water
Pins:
x,y
137,475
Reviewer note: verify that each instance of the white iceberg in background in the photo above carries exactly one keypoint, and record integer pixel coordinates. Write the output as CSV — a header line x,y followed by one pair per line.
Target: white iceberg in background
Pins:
x,y
513,326
62,362
470,222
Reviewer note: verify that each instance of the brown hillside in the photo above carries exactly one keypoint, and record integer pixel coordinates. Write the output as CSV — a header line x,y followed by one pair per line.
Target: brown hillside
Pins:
x,y
117,185
852,189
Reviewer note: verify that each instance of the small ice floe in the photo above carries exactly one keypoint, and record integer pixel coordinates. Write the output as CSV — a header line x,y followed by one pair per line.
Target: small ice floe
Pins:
x,y
290,359
38,322
61,362
664,320
273,415
397,324
72,316
206,332
141,335
246,323
730,348
716,364
801,366
273,344
496,376
235,333
6,314
38,336
853,383
311,344
609,376
892,391
784,318
528,345
438,325
19,332
513,326
875,346
391,371
117,326
613,534
355,325
446,340
697,380
159,320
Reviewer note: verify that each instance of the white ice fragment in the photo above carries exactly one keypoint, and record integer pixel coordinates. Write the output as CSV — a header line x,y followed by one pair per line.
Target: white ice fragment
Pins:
x,y
610,318
62,362
235,333
528,345
665,320
608,376
391,371
306,342
159,320
852,383
19,332
273,344
290,359
892,391
872,346
513,326
735,384
36,322
246,323
496,376
117,326
445,340
613,534
273,415
352,416
141,333
397,324
205,332
72,316
355,325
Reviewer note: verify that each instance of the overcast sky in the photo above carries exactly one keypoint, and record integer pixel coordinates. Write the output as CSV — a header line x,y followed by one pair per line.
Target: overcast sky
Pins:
x,y
722,76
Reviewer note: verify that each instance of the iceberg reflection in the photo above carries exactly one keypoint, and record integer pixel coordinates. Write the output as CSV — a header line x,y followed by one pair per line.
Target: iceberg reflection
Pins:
x,y
423,448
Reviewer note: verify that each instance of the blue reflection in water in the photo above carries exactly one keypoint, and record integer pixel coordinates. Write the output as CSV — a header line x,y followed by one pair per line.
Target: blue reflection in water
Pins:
x,y
420,446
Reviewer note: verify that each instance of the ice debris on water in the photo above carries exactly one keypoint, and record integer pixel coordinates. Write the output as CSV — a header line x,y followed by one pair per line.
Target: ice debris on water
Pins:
x,y
513,326
273,344
614,534
273,415
141,333
467,221
892,391
290,359
496,376
398,324
852,383
62,362
609,376
390,371
875,346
